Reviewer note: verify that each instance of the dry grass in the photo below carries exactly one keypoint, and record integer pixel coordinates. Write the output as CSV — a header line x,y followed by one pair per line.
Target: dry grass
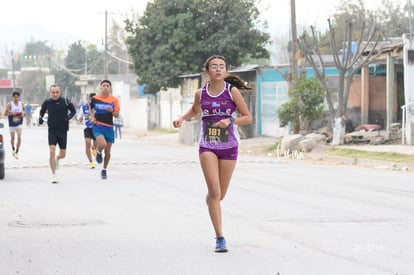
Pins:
x,y
359,154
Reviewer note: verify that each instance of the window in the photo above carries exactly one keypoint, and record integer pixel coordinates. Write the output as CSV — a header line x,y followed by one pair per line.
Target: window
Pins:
x,y
411,57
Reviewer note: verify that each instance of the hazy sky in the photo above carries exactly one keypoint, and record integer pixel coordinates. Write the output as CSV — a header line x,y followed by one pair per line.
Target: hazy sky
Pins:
x,y
86,19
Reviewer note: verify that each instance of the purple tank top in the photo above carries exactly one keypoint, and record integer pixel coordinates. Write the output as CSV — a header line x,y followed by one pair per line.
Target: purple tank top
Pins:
x,y
214,109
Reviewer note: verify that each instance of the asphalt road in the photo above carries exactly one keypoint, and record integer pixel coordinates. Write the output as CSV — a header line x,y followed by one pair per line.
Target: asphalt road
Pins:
x,y
149,216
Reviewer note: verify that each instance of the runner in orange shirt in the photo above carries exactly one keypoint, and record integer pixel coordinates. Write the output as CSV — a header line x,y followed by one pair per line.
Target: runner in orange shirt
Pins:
x,y
103,108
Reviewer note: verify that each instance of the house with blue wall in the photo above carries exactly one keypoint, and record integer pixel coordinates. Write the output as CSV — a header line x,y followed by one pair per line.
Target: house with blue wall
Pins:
x,y
272,91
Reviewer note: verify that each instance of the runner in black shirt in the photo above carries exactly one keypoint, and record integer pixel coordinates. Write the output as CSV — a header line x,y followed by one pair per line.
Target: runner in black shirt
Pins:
x,y
60,110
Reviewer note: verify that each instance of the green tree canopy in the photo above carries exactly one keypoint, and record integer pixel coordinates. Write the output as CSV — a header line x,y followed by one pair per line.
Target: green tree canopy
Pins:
x,y
32,80
33,85
118,56
36,48
175,37
305,103
80,59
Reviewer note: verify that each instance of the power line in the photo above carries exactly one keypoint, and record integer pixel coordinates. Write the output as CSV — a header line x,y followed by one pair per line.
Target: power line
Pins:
x,y
120,59
63,67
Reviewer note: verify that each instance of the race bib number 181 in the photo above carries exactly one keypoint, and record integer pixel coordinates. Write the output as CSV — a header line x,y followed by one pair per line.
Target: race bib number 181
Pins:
x,y
213,133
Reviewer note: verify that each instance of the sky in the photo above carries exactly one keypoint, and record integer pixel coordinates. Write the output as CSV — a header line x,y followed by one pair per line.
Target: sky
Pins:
x,y
86,19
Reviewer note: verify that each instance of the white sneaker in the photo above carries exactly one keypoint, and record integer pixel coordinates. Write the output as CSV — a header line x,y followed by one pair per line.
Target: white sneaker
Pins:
x,y
15,155
54,179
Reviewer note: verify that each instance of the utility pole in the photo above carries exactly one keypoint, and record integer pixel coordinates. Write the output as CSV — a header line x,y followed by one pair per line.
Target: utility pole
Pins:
x,y
410,27
86,60
13,73
106,45
293,62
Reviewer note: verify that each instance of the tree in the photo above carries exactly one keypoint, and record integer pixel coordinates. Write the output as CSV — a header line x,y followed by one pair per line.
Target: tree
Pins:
x,y
67,73
391,19
281,53
39,54
33,85
37,57
305,103
348,61
81,59
175,37
353,44
119,58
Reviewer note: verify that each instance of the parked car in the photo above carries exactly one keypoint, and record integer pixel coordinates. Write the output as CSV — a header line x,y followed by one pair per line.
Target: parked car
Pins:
x,y
2,153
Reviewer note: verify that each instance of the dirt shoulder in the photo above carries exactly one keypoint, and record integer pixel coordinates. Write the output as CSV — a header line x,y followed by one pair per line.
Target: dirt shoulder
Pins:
x,y
321,154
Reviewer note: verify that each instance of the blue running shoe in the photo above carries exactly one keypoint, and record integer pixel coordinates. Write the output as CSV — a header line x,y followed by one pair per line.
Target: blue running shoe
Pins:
x,y
99,157
103,174
221,245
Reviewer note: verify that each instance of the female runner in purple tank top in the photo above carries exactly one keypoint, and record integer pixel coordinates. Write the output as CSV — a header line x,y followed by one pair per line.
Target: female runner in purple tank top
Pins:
x,y
222,108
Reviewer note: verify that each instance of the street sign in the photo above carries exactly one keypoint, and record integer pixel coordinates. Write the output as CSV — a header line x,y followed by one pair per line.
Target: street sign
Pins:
x,y
50,80
86,77
81,83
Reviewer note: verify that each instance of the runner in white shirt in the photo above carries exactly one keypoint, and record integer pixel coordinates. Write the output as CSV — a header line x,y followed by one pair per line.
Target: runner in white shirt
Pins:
x,y
15,113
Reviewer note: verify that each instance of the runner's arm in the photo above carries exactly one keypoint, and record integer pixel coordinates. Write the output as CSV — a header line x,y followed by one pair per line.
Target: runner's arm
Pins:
x,y
192,112
92,118
42,110
8,108
23,110
72,110
80,114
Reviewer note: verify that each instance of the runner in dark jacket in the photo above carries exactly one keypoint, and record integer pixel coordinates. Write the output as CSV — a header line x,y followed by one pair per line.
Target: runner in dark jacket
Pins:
x,y
60,110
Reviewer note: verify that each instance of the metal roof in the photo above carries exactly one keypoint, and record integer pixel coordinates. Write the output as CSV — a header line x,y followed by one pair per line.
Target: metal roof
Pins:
x,y
390,45
189,75
244,68
240,69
